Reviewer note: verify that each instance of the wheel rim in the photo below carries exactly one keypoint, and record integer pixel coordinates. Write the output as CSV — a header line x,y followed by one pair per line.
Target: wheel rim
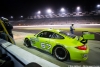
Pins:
x,y
60,53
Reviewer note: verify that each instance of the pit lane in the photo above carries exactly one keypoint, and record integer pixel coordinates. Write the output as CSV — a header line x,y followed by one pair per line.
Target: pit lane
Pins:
x,y
92,60
94,53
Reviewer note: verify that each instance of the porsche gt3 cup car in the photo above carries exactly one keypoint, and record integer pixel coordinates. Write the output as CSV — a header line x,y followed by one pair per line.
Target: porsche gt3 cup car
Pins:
x,y
62,45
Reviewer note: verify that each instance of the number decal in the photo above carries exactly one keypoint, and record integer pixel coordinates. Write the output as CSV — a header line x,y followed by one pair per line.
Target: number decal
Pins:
x,y
45,46
42,45
49,46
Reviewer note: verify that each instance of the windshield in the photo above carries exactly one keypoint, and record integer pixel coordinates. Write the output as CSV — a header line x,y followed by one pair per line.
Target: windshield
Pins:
x,y
67,34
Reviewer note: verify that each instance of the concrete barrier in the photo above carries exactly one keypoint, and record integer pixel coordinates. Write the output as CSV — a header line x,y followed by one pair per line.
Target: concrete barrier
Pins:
x,y
22,57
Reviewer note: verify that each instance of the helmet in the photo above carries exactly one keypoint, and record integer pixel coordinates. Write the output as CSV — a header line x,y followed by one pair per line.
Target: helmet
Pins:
x,y
4,19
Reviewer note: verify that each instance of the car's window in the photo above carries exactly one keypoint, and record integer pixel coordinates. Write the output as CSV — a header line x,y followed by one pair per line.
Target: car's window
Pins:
x,y
67,34
57,36
45,34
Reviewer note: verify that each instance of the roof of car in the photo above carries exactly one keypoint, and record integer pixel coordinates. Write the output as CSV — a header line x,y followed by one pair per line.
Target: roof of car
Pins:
x,y
53,30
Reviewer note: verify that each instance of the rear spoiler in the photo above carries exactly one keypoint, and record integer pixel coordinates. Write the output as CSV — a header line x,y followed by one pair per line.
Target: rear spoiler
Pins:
x,y
87,35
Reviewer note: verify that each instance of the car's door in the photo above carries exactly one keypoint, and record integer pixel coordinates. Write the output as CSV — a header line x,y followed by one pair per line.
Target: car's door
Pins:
x,y
44,41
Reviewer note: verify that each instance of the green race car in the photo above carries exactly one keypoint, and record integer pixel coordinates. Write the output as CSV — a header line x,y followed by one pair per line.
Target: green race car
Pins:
x,y
62,45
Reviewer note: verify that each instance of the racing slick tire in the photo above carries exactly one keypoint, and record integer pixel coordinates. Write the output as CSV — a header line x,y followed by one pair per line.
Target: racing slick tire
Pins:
x,y
27,42
61,53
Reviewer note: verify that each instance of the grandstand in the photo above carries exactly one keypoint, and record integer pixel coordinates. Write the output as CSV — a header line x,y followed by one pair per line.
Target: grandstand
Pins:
x,y
72,18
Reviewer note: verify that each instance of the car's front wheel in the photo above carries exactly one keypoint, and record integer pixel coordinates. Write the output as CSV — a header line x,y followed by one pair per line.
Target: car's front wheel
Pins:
x,y
60,53
27,42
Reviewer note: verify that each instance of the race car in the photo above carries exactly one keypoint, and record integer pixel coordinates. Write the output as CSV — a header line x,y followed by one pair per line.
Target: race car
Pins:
x,y
61,44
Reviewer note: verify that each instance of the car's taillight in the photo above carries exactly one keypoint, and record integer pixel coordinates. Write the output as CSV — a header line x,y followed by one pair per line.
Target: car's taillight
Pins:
x,y
83,47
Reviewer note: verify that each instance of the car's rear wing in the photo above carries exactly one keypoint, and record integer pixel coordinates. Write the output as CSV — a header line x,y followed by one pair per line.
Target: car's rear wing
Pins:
x,y
87,35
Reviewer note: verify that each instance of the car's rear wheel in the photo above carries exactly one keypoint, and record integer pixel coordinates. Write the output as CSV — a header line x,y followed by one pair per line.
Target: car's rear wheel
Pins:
x,y
27,42
60,53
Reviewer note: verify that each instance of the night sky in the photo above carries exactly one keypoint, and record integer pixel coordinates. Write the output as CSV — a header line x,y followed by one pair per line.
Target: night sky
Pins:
x,y
29,7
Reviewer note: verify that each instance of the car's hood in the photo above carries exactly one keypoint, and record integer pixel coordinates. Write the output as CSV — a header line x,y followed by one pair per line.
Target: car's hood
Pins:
x,y
30,35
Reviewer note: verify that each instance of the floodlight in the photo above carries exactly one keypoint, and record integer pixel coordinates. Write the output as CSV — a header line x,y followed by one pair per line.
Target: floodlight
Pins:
x,y
11,17
78,8
39,12
62,9
49,11
98,6
21,16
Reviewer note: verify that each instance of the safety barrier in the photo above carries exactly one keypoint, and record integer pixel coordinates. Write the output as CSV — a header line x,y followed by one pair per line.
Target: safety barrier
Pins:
x,y
21,57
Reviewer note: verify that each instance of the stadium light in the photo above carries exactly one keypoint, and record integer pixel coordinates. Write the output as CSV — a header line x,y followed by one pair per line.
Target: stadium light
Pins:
x,y
11,17
78,8
98,6
21,16
62,10
49,11
39,12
